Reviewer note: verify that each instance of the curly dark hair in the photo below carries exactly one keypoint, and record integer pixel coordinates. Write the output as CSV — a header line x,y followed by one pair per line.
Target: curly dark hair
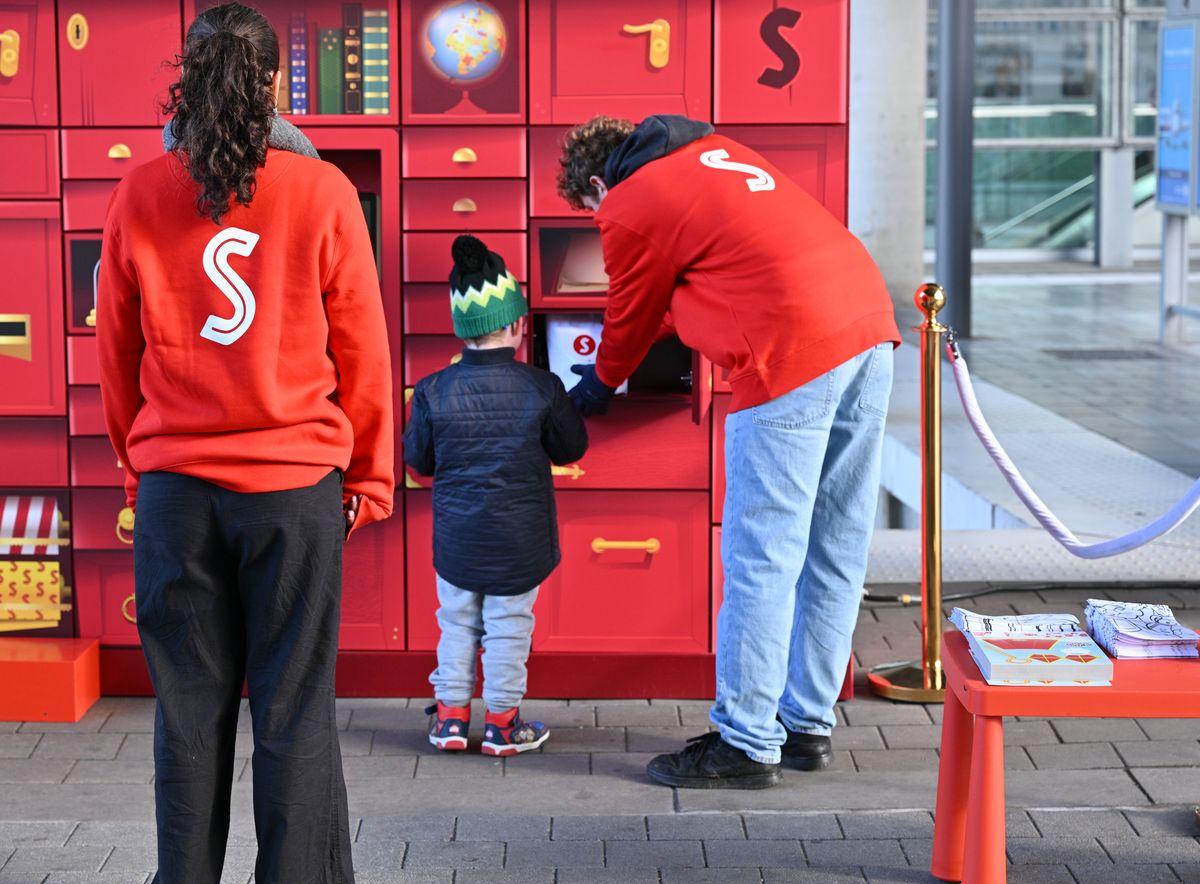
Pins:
x,y
223,105
586,149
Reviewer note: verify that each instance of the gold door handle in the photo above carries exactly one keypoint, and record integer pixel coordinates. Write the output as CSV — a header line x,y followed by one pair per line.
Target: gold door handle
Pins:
x,y
77,31
651,545
464,155
409,392
572,472
10,53
125,526
129,600
16,336
466,205
660,40
119,152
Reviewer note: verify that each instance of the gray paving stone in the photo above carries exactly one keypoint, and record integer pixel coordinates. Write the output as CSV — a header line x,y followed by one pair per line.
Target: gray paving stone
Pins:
x,y
443,876
636,715
49,770
777,854
501,827
861,737
1169,785
918,851
880,712
407,827
514,876
1074,756
355,742
697,718
1016,758
654,855
105,877
141,857
1051,851
385,714
458,764
22,877
912,736
558,714
375,767
661,739
1082,788
895,759
1081,823
622,827
128,715
141,771
454,855
606,876
56,859
1017,824
1160,753
901,824
1041,874
1029,733
10,727
534,765
91,722
51,833
585,739
1151,850
1107,873
1189,873
18,745
1093,730
845,875
129,833
138,747
697,826
774,826
379,856
400,742
1170,728
712,876
876,852
1163,821
896,875
554,855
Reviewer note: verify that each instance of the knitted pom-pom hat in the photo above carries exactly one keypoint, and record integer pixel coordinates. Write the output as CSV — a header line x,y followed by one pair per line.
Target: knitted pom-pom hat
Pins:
x,y
484,295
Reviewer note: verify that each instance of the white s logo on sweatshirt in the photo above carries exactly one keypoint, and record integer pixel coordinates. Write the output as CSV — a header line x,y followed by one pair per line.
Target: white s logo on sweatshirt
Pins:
x,y
719,159
230,240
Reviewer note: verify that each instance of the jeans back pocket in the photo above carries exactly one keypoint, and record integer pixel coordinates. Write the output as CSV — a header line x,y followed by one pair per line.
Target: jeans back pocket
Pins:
x,y
877,384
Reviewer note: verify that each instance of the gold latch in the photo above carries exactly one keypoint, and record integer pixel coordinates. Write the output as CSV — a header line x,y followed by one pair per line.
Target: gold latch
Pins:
x,y
660,40
125,519
650,545
466,205
16,338
572,472
130,599
77,31
464,155
119,152
10,53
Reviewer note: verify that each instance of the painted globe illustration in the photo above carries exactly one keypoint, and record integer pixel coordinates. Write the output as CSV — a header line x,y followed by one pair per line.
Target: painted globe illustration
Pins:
x,y
465,42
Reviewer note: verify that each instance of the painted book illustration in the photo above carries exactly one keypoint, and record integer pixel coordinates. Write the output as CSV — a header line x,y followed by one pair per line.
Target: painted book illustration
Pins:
x,y
352,67
375,62
298,63
329,71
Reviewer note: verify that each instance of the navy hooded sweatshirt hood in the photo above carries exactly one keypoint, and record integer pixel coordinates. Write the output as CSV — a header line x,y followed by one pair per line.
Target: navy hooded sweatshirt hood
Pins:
x,y
654,137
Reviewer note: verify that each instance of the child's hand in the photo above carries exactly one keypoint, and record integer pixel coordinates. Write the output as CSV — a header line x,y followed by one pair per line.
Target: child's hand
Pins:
x,y
350,508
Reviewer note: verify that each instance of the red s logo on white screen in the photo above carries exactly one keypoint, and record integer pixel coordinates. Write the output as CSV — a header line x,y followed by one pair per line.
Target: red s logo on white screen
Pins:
x,y
226,242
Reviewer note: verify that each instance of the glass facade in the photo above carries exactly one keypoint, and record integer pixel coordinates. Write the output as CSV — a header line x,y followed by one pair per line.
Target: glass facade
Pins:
x,y
1056,83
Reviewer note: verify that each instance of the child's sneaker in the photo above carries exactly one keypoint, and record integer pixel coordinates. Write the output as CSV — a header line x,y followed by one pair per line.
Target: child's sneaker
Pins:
x,y
448,726
504,733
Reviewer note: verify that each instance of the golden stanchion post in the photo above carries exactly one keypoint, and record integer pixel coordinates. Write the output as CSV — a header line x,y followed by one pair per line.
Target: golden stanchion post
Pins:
x,y
923,682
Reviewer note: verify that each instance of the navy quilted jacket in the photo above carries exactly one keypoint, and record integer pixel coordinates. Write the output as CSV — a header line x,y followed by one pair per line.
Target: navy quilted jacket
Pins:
x,y
487,430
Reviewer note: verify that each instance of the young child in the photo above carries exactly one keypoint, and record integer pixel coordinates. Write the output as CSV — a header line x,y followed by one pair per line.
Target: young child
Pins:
x,y
487,429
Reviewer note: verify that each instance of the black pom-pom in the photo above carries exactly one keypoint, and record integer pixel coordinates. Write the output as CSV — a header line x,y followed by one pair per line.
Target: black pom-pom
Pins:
x,y
469,253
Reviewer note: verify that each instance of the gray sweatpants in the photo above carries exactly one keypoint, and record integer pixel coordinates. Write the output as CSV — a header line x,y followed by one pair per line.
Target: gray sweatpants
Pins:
x,y
503,624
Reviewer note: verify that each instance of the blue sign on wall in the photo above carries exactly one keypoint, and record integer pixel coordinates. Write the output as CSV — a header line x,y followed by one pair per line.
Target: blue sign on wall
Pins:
x,y
1176,94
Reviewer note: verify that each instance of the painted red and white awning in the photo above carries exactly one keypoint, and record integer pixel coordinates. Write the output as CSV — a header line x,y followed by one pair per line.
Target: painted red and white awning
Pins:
x,y
30,526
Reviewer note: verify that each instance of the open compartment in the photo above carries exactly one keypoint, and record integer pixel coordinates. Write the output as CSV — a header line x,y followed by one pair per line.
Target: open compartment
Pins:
x,y
35,591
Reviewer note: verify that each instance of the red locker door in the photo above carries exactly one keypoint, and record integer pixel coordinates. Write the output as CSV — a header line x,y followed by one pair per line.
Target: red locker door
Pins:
x,y
111,68
624,58
27,63
31,310
781,62
812,156
373,587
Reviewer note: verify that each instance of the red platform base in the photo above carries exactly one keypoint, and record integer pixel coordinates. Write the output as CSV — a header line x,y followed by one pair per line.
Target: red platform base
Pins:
x,y
552,675
48,679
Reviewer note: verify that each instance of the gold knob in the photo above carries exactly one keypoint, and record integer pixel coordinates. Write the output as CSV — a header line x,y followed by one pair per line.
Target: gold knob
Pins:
x,y
130,599
410,481
466,204
408,394
125,526
456,359
77,31
931,298
90,321
10,53
650,545
464,155
660,40
573,472
119,152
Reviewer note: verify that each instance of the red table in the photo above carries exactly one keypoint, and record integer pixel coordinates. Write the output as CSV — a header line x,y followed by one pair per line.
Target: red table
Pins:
x,y
968,832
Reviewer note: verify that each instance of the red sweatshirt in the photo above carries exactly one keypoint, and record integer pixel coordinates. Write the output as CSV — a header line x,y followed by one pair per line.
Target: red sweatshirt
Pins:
x,y
253,354
757,275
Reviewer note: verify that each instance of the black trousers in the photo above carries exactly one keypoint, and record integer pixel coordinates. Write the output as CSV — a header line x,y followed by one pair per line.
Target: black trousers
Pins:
x,y
244,587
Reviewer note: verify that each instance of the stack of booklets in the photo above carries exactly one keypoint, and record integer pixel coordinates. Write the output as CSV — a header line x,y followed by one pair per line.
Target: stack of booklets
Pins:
x,y
1033,650
349,71
1134,630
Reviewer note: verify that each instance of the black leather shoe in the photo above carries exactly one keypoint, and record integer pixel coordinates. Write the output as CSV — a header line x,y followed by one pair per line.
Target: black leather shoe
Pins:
x,y
807,751
708,762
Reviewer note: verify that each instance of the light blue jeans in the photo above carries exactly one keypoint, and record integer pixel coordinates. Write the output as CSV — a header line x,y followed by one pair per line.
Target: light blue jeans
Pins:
x,y
503,624
802,483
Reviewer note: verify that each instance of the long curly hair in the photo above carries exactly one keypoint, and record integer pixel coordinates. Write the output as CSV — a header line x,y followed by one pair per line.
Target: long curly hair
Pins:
x,y
585,151
223,105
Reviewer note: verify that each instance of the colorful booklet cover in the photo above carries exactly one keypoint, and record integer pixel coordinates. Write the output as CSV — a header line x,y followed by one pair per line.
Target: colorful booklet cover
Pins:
x,y
1038,658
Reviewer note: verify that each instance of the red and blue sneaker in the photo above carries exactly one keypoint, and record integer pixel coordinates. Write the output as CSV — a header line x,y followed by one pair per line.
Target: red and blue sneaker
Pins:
x,y
448,726
504,733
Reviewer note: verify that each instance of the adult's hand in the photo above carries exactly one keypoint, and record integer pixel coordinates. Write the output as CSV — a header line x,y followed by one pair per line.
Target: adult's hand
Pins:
x,y
590,396
350,509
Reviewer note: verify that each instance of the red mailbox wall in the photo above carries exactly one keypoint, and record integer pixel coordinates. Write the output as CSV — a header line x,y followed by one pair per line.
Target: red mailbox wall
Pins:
x,y
435,150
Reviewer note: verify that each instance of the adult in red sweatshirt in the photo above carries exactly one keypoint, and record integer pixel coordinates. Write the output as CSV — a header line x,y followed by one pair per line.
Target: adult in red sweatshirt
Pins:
x,y
247,391
759,277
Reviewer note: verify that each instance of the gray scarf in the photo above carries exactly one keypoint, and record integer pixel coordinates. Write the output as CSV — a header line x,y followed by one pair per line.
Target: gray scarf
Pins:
x,y
284,136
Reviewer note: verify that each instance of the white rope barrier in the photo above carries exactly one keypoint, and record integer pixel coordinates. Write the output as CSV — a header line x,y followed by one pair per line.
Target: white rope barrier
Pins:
x,y
1164,524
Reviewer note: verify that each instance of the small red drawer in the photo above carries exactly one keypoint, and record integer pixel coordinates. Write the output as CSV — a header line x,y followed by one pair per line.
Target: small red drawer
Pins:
x,y
427,309
720,412
93,462
427,255
545,149
425,354
83,361
474,204
464,152
85,204
86,411
104,597
33,452
30,167
108,153
98,520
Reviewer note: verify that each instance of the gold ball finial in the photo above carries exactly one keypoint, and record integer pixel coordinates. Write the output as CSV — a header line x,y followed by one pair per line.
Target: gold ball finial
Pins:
x,y
930,298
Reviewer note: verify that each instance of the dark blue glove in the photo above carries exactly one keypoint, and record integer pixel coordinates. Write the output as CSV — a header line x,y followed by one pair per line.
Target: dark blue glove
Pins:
x,y
590,396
